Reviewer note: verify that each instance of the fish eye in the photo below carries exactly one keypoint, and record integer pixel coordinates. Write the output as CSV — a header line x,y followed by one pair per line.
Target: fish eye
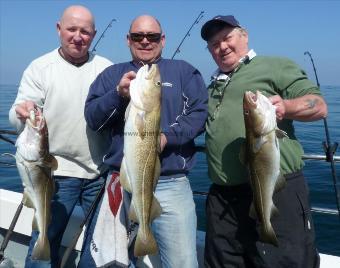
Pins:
x,y
246,112
158,83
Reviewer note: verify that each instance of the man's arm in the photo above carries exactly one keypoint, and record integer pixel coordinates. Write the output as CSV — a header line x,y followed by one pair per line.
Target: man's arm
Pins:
x,y
191,122
103,104
30,95
306,108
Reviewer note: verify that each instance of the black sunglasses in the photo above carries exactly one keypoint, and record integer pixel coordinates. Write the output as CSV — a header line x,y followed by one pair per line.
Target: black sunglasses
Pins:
x,y
151,37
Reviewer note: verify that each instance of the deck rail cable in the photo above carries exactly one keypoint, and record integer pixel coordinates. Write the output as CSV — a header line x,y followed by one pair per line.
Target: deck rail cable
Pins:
x,y
200,16
4,138
102,35
329,148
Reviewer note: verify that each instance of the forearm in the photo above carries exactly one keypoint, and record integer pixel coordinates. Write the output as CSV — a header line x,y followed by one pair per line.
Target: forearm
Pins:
x,y
102,111
306,108
14,120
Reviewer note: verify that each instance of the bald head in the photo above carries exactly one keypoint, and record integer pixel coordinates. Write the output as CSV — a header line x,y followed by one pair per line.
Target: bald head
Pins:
x,y
76,31
146,49
79,12
146,21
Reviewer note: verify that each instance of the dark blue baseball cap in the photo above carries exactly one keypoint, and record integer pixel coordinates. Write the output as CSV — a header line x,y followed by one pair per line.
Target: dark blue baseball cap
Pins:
x,y
217,23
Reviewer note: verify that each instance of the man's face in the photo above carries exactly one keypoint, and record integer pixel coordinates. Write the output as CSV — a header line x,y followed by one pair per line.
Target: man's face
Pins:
x,y
76,32
145,48
227,47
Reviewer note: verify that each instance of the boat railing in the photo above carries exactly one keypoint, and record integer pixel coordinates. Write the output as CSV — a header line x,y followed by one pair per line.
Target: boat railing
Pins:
x,y
202,149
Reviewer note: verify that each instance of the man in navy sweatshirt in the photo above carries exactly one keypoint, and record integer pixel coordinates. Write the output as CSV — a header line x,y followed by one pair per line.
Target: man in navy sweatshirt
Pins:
x,y
183,116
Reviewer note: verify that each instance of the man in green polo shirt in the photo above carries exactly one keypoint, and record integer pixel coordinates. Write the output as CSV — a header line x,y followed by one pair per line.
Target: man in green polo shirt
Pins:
x,y
232,238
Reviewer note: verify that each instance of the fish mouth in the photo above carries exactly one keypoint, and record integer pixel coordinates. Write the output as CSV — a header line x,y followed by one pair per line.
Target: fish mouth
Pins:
x,y
150,70
36,120
250,100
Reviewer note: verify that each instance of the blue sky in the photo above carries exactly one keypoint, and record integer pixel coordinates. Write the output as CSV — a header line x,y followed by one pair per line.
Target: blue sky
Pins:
x,y
282,28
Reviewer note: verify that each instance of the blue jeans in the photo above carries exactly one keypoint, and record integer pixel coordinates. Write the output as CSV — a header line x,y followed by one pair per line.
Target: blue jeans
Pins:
x,y
68,192
174,230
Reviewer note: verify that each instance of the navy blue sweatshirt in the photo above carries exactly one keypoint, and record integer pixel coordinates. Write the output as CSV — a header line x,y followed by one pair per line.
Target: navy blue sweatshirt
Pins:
x,y
183,112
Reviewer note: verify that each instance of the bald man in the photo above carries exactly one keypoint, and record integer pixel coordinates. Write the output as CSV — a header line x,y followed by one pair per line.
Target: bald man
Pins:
x,y
183,115
58,82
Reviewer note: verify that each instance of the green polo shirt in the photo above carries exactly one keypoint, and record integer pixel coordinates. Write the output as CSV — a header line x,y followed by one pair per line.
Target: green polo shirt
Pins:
x,y
225,131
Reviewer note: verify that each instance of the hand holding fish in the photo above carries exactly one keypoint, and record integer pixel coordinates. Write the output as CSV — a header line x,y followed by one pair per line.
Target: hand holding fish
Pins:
x,y
279,104
123,87
23,110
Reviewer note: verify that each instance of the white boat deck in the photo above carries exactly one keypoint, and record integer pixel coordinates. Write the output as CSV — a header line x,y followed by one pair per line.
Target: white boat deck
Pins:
x,y
17,247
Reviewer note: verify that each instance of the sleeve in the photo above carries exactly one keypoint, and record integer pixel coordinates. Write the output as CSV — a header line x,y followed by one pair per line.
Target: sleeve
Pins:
x,y
103,104
30,88
293,81
191,123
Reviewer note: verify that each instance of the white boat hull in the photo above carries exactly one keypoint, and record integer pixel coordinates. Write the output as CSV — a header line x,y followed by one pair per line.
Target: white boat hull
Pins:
x,y
17,247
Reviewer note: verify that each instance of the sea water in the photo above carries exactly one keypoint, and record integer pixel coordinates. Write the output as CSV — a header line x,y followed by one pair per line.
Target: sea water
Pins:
x,y
311,135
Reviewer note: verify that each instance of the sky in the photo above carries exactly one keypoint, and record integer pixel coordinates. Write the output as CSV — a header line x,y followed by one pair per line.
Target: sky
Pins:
x,y
275,28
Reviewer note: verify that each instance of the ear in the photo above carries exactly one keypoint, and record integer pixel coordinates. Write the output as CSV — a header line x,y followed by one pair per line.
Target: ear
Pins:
x,y
58,27
245,35
128,40
163,40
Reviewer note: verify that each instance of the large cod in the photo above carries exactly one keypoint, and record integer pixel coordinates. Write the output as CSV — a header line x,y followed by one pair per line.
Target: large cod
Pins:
x,y
35,166
140,167
263,157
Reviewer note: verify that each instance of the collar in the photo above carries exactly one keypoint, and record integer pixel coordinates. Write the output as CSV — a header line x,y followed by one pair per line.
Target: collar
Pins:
x,y
139,64
219,75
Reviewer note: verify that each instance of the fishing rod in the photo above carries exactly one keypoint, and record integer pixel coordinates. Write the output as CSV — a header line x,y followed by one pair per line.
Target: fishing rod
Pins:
x,y
200,16
3,261
7,132
329,148
102,35
75,238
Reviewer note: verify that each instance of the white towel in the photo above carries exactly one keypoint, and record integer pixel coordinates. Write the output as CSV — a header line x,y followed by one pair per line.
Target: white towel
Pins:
x,y
109,244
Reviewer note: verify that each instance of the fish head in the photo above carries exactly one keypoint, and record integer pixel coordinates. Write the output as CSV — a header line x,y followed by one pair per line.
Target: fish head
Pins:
x,y
145,89
32,142
259,113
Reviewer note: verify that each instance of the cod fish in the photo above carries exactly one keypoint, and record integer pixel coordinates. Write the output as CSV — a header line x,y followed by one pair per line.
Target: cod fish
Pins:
x,y
140,167
263,158
35,166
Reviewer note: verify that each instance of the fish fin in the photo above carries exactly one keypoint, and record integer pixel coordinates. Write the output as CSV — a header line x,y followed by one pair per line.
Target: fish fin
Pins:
x,y
267,235
123,177
243,155
157,172
41,250
34,223
280,183
132,213
26,200
127,111
252,211
280,133
274,211
156,209
146,246
140,123
259,143
50,162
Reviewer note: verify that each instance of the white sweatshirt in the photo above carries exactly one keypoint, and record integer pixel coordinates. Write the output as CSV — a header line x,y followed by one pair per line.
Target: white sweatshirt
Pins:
x,y
61,88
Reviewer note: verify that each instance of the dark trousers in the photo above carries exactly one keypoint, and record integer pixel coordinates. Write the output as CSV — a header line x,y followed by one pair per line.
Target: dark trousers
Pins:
x,y
232,236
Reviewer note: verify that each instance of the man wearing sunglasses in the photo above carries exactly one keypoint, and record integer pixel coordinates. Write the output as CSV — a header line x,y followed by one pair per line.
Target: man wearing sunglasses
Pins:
x,y
183,115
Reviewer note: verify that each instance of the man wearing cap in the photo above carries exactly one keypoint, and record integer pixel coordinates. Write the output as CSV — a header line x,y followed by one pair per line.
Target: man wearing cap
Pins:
x,y
232,238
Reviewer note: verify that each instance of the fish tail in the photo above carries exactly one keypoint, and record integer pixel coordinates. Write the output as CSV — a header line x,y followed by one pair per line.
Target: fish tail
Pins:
x,y
267,235
41,250
147,245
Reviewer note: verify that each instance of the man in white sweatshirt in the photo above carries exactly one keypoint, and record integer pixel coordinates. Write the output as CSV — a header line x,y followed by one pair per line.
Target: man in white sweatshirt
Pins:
x,y
58,82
